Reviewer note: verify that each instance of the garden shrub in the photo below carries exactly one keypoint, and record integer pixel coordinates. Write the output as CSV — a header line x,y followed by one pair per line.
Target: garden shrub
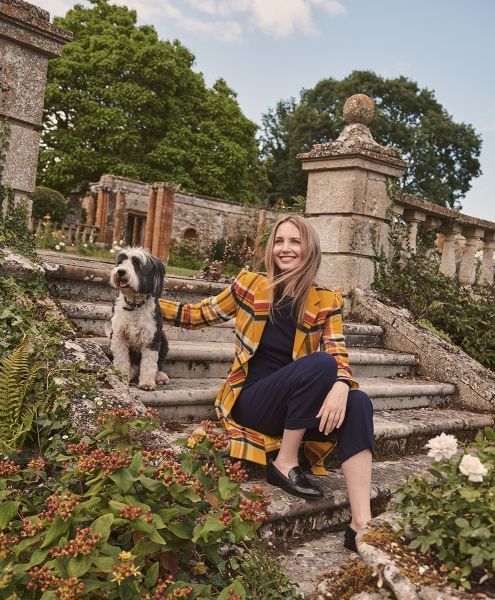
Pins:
x,y
111,518
49,202
451,509
465,316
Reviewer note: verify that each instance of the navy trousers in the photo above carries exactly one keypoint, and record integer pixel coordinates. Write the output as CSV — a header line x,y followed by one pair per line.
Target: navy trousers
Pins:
x,y
291,397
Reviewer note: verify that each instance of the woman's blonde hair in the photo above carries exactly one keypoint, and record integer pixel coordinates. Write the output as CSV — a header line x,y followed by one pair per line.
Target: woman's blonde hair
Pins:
x,y
297,282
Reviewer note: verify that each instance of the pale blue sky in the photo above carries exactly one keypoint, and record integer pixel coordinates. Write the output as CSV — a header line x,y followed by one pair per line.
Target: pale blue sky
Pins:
x,y
270,49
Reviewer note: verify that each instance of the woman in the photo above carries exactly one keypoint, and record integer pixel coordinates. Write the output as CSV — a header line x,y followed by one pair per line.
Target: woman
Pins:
x,y
281,390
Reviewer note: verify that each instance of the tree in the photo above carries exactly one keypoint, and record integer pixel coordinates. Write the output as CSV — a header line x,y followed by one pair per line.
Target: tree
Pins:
x,y
49,202
442,155
120,100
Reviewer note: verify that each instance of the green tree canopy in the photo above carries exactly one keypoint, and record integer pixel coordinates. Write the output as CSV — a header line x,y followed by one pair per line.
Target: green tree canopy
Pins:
x,y
119,100
442,154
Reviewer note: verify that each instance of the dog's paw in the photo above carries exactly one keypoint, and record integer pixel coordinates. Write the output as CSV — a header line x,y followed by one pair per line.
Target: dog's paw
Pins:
x,y
162,378
148,386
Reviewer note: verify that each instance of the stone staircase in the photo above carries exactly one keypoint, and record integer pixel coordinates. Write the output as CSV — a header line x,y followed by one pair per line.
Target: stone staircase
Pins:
x,y
408,412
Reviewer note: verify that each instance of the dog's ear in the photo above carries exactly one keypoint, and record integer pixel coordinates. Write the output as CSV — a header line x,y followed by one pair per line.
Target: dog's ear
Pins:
x,y
158,277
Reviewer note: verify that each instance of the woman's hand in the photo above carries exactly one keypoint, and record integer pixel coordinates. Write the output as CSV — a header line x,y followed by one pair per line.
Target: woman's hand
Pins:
x,y
332,411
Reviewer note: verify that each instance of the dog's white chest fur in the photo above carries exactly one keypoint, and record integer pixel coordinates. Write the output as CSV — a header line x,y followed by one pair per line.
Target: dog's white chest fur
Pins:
x,y
136,326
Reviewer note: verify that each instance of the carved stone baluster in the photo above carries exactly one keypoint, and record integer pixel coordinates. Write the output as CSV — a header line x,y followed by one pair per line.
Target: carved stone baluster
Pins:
x,y
448,263
487,264
467,270
413,218
150,219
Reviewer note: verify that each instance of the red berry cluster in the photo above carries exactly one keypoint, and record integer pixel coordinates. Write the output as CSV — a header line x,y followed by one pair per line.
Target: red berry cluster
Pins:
x,y
236,472
30,529
44,580
121,415
156,456
213,472
233,595
226,516
37,464
6,542
152,413
162,587
172,473
99,459
78,449
59,504
254,510
219,441
131,513
8,468
84,543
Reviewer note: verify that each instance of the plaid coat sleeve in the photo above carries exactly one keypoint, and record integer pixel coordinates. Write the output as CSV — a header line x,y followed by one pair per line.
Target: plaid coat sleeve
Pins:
x,y
332,340
209,311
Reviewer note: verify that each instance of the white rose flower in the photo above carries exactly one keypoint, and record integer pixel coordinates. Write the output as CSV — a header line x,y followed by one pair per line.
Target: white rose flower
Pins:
x,y
112,250
442,447
85,245
472,467
62,244
57,247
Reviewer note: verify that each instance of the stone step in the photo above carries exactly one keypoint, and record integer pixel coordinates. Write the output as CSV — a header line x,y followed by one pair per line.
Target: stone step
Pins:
x,y
193,399
92,318
213,359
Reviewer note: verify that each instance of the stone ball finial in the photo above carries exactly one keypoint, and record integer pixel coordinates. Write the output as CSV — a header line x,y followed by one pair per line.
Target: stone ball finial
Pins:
x,y
359,108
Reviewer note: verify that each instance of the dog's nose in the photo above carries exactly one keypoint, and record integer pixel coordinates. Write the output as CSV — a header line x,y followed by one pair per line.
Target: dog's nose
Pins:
x,y
121,272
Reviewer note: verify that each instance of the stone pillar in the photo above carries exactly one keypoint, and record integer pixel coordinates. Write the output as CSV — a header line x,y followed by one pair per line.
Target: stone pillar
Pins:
x,y
347,200
90,204
467,270
487,264
117,217
163,221
413,218
258,246
448,263
27,41
106,235
150,220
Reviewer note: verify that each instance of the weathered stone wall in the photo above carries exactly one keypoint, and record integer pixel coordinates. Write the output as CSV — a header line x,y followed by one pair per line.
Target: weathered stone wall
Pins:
x,y
27,41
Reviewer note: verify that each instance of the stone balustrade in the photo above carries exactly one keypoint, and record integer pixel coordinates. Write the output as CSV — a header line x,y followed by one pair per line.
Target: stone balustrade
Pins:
x,y
461,240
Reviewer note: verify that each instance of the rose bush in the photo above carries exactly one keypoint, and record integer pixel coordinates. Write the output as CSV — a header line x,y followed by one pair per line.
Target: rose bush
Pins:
x,y
451,509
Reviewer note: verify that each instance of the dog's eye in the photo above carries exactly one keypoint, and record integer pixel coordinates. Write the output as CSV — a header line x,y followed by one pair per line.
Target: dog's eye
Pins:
x,y
121,258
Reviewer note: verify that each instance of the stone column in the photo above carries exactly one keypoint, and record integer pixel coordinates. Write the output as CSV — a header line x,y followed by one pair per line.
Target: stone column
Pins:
x,y
258,248
448,263
413,218
467,270
167,222
159,216
117,217
90,204
27,41
487,265
347,200
150,220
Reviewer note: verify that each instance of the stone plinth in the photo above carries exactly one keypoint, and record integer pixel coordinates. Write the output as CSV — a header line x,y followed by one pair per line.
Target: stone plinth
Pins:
x,y
347,200
27,41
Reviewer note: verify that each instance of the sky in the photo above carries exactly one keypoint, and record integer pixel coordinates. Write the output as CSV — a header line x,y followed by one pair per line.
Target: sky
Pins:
x,y
269,50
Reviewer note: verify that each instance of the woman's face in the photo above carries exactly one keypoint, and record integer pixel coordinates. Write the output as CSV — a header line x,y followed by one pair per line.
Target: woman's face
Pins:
x,y
287,250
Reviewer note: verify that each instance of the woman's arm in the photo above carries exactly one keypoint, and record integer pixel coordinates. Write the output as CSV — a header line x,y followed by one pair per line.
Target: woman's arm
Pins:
x,y
209,311
332,341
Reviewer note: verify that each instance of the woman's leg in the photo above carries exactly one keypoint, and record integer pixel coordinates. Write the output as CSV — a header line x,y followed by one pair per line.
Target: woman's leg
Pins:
x,y
357,474
287,455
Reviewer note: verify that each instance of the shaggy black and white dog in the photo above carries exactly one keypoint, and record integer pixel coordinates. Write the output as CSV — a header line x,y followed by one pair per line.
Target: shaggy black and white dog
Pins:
x,y
137,341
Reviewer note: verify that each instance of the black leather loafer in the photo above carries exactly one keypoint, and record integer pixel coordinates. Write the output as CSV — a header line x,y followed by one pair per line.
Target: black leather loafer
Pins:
x,y
295,483
350,539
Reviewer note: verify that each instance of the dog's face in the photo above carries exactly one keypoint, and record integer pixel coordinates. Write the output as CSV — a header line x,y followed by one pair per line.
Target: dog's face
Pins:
x,y
138,272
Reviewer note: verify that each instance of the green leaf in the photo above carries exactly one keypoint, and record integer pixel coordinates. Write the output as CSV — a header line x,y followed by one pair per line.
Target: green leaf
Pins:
x,y
150,484
462,523
104,563
210,525
148,529
181,530
227,488
79,566
167,514
103,526
237,587
129,590
152,575
37,557
489,433
57,529
8,510
137,464
123,479
242,529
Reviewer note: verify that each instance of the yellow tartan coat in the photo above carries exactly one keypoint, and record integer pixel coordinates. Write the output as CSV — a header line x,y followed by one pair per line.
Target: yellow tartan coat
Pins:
x,y
247,300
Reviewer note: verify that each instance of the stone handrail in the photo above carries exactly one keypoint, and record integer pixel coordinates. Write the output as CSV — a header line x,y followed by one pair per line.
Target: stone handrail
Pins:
x,y
78,233
462,237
